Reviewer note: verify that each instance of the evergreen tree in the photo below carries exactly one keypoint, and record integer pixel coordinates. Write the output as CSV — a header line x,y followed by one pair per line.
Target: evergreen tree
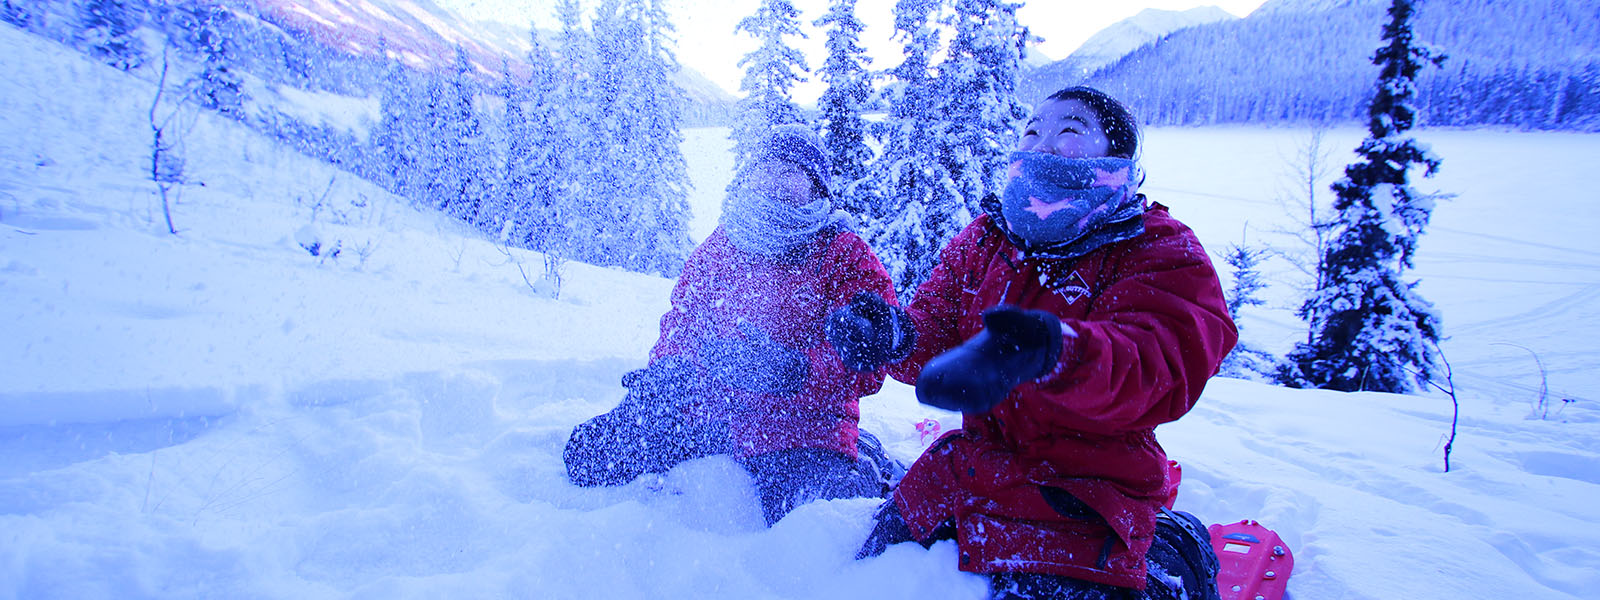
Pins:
x,y
848,95
109,30
612,197
15,14
216,86
660,104
981,111
1245,361
639,181
449,144
569,231
770,71
465,182
1371,330
295,56
921,206
537,170
432,149
396,138
504,205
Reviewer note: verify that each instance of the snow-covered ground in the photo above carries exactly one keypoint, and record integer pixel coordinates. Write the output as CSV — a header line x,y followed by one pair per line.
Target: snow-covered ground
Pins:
x,y
221,414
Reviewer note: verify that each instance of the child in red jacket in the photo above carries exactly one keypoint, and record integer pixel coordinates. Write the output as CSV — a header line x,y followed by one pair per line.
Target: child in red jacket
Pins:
x,y
1066,323
741,366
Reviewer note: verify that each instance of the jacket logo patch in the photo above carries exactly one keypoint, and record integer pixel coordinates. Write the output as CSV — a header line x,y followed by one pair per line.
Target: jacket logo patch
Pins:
x,y
1071,287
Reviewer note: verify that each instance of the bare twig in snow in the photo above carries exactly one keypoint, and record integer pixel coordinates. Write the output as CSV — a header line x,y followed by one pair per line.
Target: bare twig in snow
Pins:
x,y
1541,405
1450,390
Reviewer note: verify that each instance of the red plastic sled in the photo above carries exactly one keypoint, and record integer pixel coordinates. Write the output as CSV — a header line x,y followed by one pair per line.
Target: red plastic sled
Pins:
x,y
1255,562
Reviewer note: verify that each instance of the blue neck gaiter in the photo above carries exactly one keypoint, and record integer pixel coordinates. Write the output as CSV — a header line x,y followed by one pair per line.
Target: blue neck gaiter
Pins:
x,y
1065,207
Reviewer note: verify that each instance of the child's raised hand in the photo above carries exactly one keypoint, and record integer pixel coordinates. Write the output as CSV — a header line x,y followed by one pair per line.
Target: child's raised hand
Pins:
x,y
1016,345
869,332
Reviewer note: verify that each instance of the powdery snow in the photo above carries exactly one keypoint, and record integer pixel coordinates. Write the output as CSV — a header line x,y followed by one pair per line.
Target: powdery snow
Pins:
x,y
222,414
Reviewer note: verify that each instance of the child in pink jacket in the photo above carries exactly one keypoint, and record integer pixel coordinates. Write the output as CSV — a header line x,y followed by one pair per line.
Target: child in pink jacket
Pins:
x,y
742,366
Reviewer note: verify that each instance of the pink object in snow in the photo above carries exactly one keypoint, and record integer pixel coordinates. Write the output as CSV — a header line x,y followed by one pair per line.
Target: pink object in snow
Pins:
x,y
1255,562
928,428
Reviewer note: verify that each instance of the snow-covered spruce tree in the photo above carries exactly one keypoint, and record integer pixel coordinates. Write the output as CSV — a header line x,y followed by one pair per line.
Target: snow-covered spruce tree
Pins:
x,y
108,29
569,230
660,104
295,57
921,207
1245,361
216,86
399,137
770,71
848,95
15,14
443,138
981,111
505,201
607,233
638,185
1370,329
461,186
536,169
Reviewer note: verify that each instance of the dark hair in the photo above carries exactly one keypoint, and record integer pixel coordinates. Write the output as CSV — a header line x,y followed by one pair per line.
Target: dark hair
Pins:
x,y
1115,118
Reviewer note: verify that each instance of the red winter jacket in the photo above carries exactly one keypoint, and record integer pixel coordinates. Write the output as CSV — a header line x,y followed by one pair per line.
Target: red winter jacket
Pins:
x,y
1151,327
790,300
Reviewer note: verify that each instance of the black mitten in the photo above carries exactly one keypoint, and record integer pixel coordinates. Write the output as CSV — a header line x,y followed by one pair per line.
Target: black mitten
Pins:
x,y
650,431
1015,345
869,333
755,362
657,391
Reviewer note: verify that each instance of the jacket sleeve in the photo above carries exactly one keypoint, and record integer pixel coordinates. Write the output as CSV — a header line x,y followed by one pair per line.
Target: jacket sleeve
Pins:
x,y
680,326
852,268
1148,344
940,303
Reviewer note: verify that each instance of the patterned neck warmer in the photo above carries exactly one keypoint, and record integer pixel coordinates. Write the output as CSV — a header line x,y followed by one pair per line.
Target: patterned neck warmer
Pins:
x,y
1066,207
759,223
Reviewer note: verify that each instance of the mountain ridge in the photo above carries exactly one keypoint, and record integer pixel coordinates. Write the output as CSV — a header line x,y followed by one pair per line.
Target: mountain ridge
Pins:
x,y
1112,43
1311,60
423,36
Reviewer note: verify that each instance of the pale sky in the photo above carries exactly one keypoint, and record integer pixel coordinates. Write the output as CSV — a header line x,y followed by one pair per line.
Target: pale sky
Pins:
x,y
707,43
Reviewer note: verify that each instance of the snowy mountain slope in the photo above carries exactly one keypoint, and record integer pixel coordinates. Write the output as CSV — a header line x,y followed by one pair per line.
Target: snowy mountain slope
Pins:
x,y
1149,25
423,34
1032,58
1110,44
1313,6
418,33
221,414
